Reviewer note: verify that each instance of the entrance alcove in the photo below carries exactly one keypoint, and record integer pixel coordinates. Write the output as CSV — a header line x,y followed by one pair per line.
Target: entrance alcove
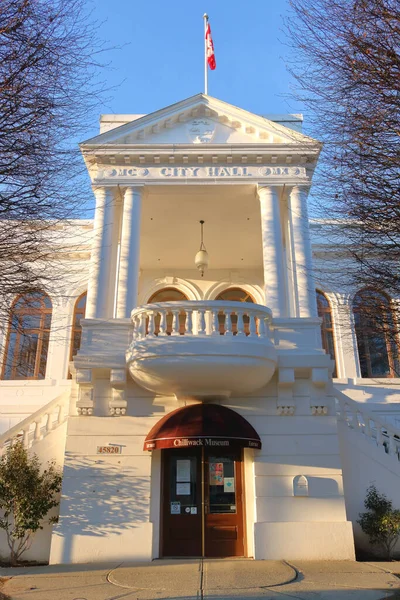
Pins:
x,y
202,480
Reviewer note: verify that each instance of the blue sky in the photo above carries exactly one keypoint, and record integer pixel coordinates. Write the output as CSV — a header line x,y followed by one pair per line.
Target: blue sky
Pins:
x,y
161,59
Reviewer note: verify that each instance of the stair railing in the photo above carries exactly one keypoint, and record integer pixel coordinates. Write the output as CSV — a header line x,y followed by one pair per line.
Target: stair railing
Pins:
x,y
35,427
359,419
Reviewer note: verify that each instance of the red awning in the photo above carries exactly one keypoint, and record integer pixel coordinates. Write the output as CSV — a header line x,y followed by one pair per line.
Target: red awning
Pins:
x,y
208,425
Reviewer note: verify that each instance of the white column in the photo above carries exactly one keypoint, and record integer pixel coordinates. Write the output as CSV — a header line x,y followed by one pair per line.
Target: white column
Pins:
x,y
128,279
271,228
302,253
97,306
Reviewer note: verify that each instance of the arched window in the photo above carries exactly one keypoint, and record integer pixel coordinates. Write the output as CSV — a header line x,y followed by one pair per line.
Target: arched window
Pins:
x,y
76,333
234,295
169,295
376,336
328,342
28,337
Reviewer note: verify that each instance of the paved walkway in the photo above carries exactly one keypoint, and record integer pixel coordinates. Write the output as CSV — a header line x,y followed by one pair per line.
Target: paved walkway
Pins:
x,y
206,579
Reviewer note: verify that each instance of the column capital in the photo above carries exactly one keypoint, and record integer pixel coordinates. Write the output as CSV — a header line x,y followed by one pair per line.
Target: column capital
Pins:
x,y
139,187
299,188
264,188
104,188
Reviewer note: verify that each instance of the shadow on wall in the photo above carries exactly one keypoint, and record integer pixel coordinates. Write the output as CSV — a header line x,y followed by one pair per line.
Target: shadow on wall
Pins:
x,y
101,498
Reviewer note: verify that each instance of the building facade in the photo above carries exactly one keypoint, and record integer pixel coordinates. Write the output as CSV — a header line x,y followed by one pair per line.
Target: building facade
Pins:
x,y
202,385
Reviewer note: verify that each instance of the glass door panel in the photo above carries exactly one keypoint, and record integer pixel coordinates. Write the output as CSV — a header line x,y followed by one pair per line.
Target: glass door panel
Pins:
x,y
221,482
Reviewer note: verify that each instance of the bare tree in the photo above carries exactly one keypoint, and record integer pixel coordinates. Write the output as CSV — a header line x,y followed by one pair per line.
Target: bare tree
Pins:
x,y
346,60
49,66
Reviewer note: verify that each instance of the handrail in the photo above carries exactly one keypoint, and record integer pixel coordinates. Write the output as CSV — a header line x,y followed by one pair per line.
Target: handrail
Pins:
x,y
201,318
47,418
359,419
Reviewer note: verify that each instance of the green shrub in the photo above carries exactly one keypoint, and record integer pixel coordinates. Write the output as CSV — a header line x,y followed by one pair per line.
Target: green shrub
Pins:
x,y
382,522
27,494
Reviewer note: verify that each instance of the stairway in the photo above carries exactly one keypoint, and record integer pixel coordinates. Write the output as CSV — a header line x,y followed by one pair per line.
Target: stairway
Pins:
x,y
39,425
370,454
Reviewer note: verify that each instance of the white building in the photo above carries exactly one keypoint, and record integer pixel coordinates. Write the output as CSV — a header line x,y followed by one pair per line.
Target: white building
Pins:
x,y
199,416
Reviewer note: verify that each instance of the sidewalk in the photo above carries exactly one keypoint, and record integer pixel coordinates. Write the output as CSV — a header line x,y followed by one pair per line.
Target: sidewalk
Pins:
x,y
205,579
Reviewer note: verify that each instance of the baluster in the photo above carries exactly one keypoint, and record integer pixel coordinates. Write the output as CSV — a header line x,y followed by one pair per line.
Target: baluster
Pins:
x,y
354,420
25,440
49,424
151,331
38,424
201,324
175,322
379,436
240,323
252,325
189,322
367,427
135,328
163,322
228,327
215,322
261,326
142,326
392,447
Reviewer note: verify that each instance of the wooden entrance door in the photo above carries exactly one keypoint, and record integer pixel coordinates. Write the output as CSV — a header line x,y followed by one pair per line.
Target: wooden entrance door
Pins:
x,y
223,507
202,507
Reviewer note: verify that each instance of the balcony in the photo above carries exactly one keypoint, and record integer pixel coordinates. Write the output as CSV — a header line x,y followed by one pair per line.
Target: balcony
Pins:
x,y
201,349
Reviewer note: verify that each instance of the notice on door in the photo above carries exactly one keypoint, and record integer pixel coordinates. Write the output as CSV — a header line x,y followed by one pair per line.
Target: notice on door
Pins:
x,y
216,473
183,489
229,484
182,470
175,508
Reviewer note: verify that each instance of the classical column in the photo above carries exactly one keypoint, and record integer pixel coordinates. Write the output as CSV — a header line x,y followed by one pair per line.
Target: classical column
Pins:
x,y
274,268
128,278
302,253
97,305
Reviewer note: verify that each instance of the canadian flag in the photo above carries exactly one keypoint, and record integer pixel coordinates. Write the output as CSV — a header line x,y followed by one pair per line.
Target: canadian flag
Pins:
x,y
210,49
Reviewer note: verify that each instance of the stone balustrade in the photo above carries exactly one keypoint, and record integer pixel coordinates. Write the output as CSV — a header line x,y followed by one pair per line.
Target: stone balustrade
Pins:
x,y
360,420
39,424
201,349
201,318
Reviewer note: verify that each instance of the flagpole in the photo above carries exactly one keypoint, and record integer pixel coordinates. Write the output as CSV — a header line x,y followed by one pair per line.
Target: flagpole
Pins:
x,y
205,17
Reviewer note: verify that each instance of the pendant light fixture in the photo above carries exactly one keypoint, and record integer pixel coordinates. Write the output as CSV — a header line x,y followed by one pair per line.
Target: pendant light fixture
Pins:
x,y
201,258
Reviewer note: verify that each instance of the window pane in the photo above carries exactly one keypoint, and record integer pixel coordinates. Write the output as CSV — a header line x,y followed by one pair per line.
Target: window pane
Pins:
x,y
374,330
183,482
26,359
31,315
324,312
47,321
167,295
235,295
81,304
43,355
30,321
10,356
221,480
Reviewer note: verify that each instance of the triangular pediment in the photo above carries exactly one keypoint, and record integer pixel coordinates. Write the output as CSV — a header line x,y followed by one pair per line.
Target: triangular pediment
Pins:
x,y
199,121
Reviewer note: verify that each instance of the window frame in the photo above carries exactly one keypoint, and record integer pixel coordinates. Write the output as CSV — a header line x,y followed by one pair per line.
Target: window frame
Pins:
x,y
233,325
391,359
169,317
43,311
74,329
326,331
